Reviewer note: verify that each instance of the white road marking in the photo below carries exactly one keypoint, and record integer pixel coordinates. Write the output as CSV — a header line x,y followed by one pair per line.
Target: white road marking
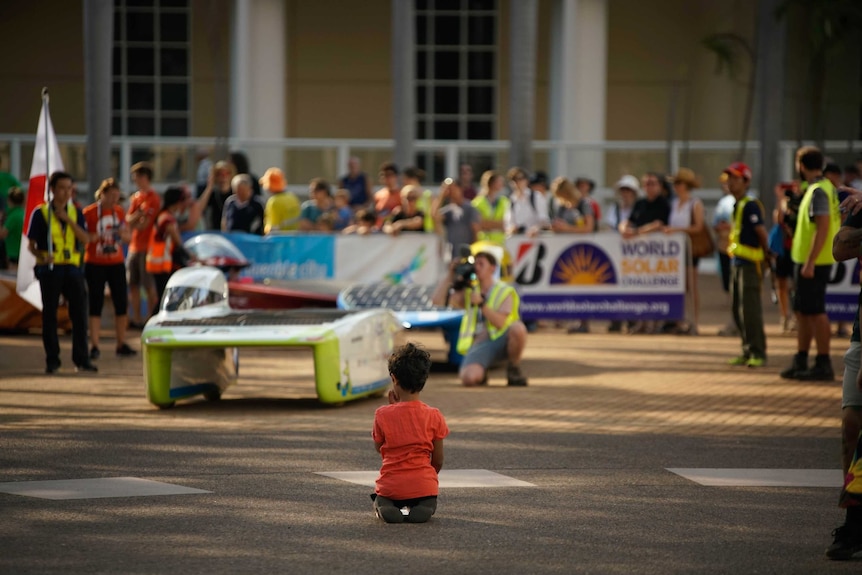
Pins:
x,y
714,477
449,478
94,488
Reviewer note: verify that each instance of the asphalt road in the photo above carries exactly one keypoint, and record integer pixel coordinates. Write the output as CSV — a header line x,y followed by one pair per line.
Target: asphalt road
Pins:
x,y
602,420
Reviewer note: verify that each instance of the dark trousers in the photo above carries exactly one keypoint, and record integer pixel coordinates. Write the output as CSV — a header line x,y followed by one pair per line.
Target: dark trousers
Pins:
x,y
745,282
67,280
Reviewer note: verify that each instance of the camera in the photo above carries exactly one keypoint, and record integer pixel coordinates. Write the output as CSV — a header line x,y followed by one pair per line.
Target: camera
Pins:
x,y
464,273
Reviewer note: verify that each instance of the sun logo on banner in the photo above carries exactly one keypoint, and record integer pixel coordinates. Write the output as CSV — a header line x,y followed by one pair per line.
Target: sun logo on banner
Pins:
x,y
583,264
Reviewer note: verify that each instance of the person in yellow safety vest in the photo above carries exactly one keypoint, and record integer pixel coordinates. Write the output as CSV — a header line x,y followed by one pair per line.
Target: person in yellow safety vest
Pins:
x,y
58,269
165,242
817,223
494,207
491,329
747,247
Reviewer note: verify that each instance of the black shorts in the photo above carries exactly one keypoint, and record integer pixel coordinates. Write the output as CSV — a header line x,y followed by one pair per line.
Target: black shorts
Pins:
x,y
810,293
115,276
784,266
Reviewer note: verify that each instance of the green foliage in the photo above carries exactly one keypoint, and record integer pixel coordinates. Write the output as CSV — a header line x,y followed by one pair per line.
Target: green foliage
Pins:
x,y
828,22
728,48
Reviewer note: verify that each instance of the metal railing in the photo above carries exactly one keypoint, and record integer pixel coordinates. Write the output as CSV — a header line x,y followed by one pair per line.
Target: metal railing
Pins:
x,y
176,159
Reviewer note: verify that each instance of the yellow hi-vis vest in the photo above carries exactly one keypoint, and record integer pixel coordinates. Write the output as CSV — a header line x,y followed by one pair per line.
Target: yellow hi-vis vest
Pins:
x,y
424,205
482,204
65,244
803,237
736,249
496,297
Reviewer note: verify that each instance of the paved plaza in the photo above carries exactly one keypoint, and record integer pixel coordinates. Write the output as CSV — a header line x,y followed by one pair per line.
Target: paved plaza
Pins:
x,y
626,454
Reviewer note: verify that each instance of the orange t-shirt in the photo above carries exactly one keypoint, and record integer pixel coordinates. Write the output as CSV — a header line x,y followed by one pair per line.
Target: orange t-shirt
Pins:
x,y
107,250
384,202
407,431
151,203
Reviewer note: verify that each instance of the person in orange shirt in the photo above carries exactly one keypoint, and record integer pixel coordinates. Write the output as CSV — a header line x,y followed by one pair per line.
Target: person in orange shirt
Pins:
x,y
142,213
408,434
387,198
104,264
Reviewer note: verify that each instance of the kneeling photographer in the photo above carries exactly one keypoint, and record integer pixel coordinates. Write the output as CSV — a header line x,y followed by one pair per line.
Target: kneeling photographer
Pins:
x,y
491,329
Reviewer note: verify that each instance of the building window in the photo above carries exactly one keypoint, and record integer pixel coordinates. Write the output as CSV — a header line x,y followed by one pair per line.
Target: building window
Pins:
x,y
151,74
456,73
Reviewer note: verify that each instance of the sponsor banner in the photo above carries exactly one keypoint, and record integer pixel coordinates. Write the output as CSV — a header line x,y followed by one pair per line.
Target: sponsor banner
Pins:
x,y
409,258
609,307
842,293
404,259
600,276
287,257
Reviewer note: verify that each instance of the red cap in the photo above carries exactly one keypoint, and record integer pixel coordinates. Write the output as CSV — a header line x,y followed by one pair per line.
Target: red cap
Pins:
x,y
738,169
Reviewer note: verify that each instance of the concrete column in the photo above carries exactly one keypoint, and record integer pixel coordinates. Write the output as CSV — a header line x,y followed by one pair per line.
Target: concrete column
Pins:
x,y
98,49
403,82
769,98
522,81
259,78
578,88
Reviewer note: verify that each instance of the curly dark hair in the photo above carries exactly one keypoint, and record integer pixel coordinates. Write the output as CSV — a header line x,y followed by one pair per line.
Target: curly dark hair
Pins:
x,y
410,365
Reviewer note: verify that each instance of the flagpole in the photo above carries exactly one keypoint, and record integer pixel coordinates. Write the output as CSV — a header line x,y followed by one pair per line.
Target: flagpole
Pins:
x,y
47,192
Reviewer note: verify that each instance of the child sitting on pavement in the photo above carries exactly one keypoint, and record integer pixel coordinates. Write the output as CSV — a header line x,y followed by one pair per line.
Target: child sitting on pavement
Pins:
x,y
408,434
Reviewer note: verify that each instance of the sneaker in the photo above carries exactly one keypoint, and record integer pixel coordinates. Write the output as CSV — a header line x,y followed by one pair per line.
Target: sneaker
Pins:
x,y
847,540
741,360
615,327
797,368
52,367
817,373
755,362
515,377
95,353
125,351
86,367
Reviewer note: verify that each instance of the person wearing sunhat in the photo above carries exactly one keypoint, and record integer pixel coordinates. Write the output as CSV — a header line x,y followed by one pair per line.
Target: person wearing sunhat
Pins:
x,y
748,246
628,188
282,207
687,215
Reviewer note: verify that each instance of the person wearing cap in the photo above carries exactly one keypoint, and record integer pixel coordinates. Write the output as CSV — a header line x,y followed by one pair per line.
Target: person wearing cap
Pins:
x,y
491,329
104,265
747,247
817,223
282,209
687,215
143,209
627,188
